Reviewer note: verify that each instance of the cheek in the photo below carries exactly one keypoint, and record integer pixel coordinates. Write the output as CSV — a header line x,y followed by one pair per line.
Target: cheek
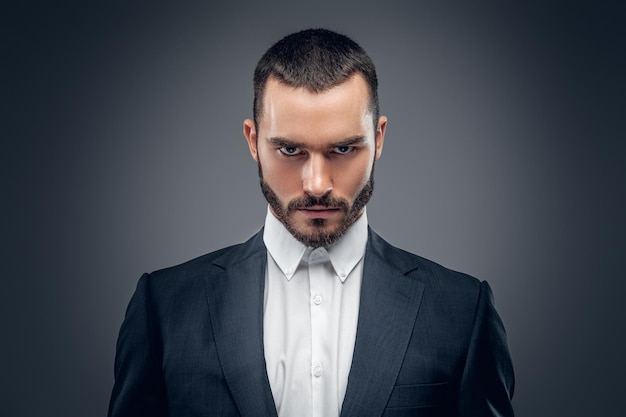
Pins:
x,y
284,179
354,178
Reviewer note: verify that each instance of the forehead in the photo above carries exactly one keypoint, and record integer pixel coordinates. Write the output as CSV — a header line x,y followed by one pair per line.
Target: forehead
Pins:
x,y
340,110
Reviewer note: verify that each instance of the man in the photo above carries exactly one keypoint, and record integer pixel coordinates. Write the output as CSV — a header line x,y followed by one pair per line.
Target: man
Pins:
x,y
315,315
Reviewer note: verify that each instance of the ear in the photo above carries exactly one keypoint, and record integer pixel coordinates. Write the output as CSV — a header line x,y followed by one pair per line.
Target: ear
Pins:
x,y
380,135
249,131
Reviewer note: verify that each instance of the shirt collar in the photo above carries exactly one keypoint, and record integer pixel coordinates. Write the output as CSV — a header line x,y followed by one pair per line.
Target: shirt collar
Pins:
x,y
288,252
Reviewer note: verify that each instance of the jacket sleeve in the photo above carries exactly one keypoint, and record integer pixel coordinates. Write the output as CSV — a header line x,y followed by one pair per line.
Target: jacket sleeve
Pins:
x,y
139,388
488,381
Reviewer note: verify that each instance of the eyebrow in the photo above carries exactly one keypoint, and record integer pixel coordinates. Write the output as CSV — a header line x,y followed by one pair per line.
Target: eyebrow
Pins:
x,y
355,140
284,142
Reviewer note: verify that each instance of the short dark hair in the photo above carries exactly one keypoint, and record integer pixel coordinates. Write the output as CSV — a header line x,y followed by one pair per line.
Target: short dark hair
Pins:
x,y
315,59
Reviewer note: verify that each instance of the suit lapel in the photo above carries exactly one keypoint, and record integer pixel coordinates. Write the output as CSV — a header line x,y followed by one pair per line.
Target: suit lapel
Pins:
x,y
389,304
235,297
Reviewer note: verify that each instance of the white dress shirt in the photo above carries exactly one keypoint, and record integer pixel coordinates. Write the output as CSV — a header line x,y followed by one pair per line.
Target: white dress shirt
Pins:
x,y
310,317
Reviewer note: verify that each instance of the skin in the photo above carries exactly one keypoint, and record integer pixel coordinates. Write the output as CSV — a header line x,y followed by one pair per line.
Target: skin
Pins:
x,y
316,154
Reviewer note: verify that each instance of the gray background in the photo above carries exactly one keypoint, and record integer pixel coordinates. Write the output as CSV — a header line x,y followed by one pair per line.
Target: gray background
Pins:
x,y
122,153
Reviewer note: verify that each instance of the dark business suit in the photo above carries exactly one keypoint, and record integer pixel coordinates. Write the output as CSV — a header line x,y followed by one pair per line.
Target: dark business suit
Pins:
x,y
429,342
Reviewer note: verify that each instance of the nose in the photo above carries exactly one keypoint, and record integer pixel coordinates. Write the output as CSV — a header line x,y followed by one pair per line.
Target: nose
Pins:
x,y
316,176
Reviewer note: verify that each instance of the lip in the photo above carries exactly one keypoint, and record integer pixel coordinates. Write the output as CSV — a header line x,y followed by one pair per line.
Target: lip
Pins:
x,y
319,212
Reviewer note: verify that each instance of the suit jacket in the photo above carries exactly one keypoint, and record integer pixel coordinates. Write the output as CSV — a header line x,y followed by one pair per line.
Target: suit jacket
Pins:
x,y
429,341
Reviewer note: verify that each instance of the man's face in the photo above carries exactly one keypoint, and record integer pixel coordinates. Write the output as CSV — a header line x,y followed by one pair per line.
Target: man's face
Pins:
x,y
316,154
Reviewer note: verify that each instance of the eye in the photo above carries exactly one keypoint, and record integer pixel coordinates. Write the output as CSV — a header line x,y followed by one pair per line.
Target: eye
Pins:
x,y
343,150
290,150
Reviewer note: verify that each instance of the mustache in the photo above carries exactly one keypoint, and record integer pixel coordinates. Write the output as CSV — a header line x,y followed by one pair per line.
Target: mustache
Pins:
x,y
325,201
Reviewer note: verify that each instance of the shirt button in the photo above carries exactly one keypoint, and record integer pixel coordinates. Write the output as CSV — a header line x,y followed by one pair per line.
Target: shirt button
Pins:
x,y
318,255
288,271
342,273
317,371
317,299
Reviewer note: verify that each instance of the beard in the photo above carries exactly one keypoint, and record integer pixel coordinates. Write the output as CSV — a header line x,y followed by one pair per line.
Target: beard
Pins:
x,y
322,234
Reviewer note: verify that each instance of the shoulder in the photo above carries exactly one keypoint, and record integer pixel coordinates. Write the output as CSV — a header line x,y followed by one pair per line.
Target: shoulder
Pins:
x,y
430,273
192,271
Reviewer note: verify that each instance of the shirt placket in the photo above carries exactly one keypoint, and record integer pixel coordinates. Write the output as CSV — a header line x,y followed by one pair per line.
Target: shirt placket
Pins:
x,y
320,305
